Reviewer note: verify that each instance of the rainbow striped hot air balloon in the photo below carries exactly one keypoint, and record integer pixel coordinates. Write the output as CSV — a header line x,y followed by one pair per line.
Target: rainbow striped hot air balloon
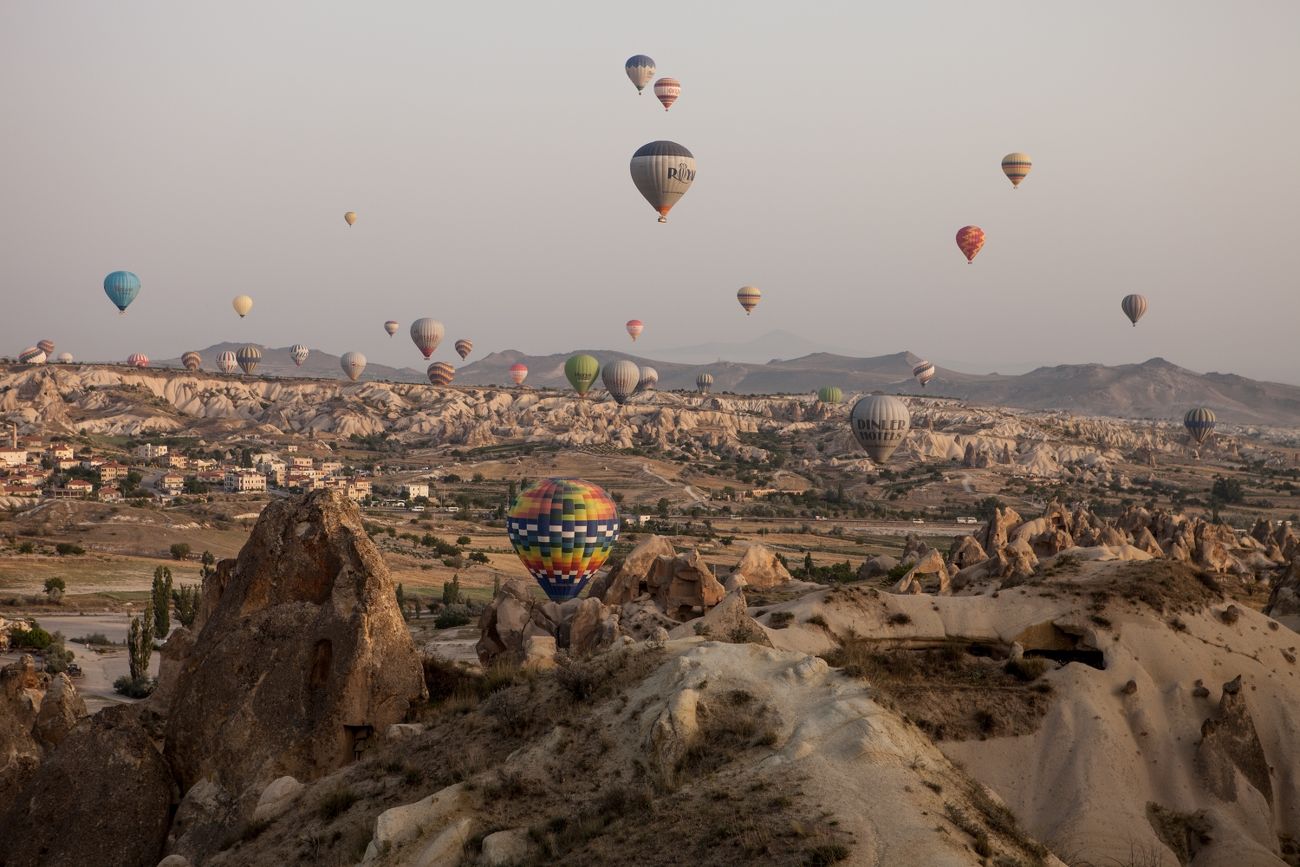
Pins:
x,y
137,359
518,373
464,348
668,89
440,373
121,287
634,328
563,530
748,296
192,361
970,239
1015,166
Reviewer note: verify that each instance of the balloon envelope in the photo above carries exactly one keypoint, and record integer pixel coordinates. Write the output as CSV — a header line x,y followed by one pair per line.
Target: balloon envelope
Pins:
x,y
440,373
464,347
1134,306
748,296
121,287
350,217
31,355
192,361
46,346
703,383
640,69
426,334
1015,166
227,363
64,358
668,89
581,371
663,171
620,379
391,327
518,373
880,423
649,379
830,394
242,305
353,364
969,240
298,353
248,358
924,372
563,530
1199,423
136,359
634,328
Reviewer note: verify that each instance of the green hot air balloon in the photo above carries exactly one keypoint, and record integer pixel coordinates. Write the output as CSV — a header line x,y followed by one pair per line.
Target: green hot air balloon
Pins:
x,y
830,394
581,371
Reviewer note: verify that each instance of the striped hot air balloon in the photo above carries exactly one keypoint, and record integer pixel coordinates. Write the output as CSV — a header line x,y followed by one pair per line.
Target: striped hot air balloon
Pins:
x,y
464,348
298,353
192,361
1134,307
880,423
748,296
227,362
969,240
31,355
353,364
648,380
441,373
635,327
620,379
1015,166
663,171
924,372
242,304
137,359
426,334
64,358
518,373
121,287
703,383
640,70
563,530
248,357
1199,423
46,346
350,217
581,371
668,89
830,394
391,327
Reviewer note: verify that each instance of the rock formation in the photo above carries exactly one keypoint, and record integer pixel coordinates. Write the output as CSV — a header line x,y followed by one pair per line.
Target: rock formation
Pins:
x,y
37,711
761,569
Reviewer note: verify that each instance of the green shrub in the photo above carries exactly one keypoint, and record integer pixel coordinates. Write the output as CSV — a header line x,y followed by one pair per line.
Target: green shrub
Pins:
x,y
134,687
67,549
449,618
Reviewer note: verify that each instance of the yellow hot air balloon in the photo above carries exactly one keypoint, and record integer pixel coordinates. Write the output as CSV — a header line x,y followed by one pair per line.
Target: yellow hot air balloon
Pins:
x,y
242,305
350,217
748,296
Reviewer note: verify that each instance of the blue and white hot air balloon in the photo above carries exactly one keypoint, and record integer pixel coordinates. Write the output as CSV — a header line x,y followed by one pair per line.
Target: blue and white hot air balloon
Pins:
x,y
640,69
121,287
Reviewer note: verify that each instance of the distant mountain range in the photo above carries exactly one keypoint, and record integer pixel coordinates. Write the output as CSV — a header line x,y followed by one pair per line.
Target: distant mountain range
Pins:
x,y
1152,389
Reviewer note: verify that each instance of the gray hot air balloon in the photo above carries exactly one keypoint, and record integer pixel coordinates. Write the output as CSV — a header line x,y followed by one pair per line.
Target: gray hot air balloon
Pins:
x,y
620,379
248,358
663,172
924,372
426,334
703,383
1199,423
226,362
353,364
880,424
1134,306
298,353
649,379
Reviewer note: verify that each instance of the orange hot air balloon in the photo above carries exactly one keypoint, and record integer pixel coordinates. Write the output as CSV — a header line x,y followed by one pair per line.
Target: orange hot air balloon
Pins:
x,y
518,373
635,327
970,239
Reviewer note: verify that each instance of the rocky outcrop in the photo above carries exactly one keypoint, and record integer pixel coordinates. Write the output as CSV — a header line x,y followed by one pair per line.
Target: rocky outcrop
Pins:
x,y
761,568
61,708
727,621
110,790
630,578
1230,748
37,711
1284,600
303,656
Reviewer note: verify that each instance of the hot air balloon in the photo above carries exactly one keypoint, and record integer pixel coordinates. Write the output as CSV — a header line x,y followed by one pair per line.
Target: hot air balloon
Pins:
x,y
703,383
391,327
192,361
1134,306
640,69
226,362
350,217
248,358
464,347
427,334
441,373
518,373
923,371
830,394
1015,167
663,172
1199,423
668,89
64,358
648,380
880,424
298,353
620,379
563,530
46,346
137,359
353,364
969,240
748,296
121,287
242,305
635,327
581,371
31,355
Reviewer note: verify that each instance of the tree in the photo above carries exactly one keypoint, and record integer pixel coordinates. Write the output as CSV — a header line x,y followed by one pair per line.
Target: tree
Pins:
x,y
54,588
496,585
180,551
131,482
808,563
68,549
57,656
662,508
1227,491
512,491
139,644
988,507
401,599
185,600
451,591
208,562
160,601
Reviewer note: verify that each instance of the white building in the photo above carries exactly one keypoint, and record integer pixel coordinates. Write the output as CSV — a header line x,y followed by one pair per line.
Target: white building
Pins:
x,y
13,457
150,452
243,481
412,490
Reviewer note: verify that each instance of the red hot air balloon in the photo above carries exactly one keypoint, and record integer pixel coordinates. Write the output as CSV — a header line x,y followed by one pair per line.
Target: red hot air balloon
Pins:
x,y
635,327
969,240
668,89
138,359
518,373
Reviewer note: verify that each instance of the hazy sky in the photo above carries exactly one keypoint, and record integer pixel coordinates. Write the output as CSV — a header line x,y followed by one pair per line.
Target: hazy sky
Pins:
x,y
212,148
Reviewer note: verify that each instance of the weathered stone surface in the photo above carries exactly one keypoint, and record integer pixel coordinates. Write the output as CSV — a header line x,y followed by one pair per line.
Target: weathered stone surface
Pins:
x,y
965,551
726,621
506,848
21,690
1229,744
881,564
539,652
277,798
630,578
593,628
684,585
761,568
401,825
109,789
61,708
304,652
505,623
